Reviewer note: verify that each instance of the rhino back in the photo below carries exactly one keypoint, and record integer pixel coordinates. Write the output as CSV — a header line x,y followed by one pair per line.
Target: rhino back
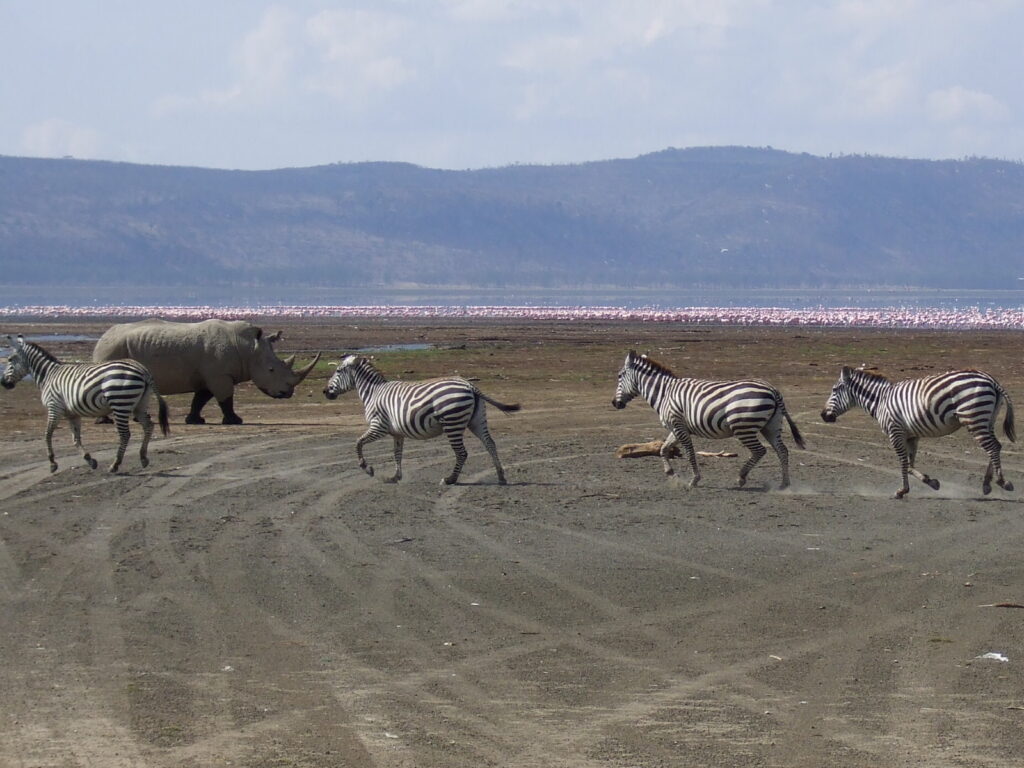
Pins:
x,y
181,356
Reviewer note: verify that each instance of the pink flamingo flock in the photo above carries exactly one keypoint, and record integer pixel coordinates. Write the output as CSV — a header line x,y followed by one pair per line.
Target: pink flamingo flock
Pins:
x,y
967,318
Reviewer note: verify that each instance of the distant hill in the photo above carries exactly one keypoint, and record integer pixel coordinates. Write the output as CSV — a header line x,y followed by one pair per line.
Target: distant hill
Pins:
x,y
722,217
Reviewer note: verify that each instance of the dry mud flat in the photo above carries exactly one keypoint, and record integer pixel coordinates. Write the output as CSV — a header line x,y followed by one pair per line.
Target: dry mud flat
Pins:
x,y
254,599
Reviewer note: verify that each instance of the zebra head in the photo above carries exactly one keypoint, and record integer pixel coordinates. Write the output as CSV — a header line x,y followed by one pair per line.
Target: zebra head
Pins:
x,y
628,385
16,368
344,378
841,399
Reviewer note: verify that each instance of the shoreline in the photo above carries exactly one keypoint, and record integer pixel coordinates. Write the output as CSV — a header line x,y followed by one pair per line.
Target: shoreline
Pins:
x,y
967,318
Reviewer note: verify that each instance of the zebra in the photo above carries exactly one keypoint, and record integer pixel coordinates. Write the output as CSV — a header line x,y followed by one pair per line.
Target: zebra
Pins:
x,y
930,407
711,409
73,390
419,410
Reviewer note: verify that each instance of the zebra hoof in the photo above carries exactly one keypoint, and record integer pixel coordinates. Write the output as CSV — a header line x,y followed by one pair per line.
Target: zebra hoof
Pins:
x,y
502,481
367,469
932,483
450,480
92,463
144,461
900,494
741,482
1008,486
53,467
986,489
113,468
393,479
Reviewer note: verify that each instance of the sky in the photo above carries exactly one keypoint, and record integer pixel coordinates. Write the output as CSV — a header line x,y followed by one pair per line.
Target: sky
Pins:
x,y
486,83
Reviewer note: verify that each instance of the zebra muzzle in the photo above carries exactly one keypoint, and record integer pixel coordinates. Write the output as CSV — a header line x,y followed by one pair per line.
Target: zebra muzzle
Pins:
x,y
828,417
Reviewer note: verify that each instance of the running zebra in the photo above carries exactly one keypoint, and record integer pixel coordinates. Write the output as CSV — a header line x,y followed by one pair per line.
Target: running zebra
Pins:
x,y
712,409
120,388
419,410
931,407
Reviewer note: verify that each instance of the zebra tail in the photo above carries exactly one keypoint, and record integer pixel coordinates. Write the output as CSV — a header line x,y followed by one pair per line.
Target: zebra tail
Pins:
x,y
500,406
165,424
1008,428
797,437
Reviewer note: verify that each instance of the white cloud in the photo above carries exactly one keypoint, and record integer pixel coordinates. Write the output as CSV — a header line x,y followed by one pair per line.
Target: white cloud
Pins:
x,y
360,53
55,138
959,103
596,32
263,60
880,92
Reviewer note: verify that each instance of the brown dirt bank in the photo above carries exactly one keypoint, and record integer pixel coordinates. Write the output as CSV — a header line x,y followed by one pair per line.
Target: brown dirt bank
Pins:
x,y
252,598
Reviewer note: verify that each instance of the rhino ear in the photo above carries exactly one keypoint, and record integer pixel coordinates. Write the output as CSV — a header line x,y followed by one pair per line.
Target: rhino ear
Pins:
x,y
275,336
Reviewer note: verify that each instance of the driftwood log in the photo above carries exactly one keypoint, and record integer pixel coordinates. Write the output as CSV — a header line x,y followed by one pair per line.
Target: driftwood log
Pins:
x,y
653,448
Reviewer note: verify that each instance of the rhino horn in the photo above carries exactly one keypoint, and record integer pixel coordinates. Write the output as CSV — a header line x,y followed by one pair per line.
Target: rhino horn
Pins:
x,y
289,361
304,372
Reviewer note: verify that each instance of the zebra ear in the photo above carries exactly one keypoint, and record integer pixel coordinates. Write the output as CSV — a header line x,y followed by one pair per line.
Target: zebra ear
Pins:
x,y
847,373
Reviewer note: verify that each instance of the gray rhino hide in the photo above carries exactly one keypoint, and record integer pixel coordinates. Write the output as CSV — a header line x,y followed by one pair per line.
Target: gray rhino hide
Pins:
x,y
185,357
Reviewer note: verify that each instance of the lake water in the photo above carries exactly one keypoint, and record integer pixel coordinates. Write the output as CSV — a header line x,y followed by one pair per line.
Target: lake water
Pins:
x,y
796,298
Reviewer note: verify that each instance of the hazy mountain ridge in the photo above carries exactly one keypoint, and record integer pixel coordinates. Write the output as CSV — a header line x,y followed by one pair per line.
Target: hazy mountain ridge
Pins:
x,y
716,216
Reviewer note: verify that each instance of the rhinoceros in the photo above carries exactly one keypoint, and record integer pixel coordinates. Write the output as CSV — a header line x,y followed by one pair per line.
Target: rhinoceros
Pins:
x,y
207,358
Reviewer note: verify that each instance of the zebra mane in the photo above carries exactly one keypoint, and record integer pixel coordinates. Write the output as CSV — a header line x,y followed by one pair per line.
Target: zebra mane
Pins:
x,y
33,350
653,366
871,374
362,363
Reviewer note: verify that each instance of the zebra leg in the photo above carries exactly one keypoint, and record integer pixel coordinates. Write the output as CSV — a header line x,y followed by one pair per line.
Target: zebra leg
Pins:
x,y
76,434
375,432
478,426
51,425
912,458
121,421
666,451
143,417
454,435
757,451
399,444
898,442
774,437
684,437
986,438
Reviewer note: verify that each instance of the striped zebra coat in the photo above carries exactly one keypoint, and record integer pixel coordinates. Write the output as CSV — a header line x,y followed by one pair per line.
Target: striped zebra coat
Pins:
x,y
418,410
930,407
710,409
120,389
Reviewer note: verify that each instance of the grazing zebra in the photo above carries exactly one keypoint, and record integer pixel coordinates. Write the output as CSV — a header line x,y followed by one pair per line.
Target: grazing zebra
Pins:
x,y
930,407
418,409
121,388
712,409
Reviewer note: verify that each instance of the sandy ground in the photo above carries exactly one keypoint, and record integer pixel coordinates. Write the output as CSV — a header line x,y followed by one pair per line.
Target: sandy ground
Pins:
x,y
254,599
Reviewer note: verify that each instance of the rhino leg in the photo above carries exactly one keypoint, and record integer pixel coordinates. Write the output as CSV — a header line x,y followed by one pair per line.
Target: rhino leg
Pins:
x,y
227,407
199,399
